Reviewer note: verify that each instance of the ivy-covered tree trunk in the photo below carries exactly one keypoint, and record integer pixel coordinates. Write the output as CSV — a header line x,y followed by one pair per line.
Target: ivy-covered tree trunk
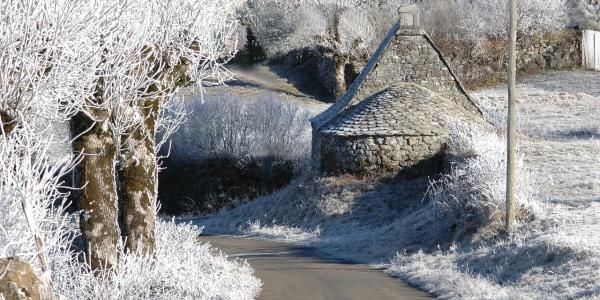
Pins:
x,y
139,182
98,199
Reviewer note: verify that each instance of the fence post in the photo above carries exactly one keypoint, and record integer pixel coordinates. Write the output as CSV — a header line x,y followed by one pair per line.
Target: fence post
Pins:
x,y
511,179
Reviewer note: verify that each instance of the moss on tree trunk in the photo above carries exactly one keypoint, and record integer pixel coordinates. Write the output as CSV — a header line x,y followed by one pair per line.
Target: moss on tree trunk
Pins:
x,y
98,199
139,183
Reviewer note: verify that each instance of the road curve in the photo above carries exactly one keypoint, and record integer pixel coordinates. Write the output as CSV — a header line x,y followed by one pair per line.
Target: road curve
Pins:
x,y
291,272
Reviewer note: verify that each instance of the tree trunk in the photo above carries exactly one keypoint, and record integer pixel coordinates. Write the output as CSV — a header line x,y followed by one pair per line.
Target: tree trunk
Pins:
x,y
339,59
98,199
340,76
139,183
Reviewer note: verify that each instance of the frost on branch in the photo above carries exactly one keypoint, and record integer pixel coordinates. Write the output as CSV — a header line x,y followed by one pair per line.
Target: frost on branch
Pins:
x,y
32,220
585,13
44,69
90,60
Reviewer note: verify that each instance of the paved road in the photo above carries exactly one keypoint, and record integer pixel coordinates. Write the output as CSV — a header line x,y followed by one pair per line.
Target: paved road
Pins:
x,y
290,272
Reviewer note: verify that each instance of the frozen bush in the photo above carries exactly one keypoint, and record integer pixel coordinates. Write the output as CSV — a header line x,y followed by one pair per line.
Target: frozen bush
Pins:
x,y
288,234
272,23
473,192
32,221
479,20
230,126
181,268
490,18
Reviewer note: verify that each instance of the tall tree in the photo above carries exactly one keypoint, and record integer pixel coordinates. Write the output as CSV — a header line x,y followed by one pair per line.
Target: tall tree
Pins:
x,y
97,129
147,49
193,48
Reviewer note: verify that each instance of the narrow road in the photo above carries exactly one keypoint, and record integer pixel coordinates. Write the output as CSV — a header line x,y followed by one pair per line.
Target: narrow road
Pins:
x,y
291,272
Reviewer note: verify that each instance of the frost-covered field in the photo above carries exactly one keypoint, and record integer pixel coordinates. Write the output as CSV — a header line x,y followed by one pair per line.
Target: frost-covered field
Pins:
x,y
392,222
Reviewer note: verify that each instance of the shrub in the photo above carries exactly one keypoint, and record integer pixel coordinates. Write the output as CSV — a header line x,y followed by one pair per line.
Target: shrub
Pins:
x,y
230,126
473,192
181,268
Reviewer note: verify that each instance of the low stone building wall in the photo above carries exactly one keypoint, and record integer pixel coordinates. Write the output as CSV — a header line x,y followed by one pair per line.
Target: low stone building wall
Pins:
x,y
419,154
401,128
393,117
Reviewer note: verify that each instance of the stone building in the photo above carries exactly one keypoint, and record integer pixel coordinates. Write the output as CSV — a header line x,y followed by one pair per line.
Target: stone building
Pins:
x,y
392,117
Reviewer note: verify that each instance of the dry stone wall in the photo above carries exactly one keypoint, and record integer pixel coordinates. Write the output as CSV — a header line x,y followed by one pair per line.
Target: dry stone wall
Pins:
x,y
482,65
399,129
375,154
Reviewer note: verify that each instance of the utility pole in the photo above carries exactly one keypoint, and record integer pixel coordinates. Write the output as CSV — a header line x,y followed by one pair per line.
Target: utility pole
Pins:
x,y
511,135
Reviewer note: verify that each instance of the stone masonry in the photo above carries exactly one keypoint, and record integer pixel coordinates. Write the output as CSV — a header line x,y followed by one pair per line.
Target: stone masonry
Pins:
x,y
412,57
396,129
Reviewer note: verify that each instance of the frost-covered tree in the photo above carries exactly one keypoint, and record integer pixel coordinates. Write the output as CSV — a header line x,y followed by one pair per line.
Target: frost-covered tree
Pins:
x,y
45,70
344,27
104,118
147,49
490,18
190,42
585,13
103,65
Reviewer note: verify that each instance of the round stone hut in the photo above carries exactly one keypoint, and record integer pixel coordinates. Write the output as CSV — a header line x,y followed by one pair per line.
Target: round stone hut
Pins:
x,y
392,118
399,128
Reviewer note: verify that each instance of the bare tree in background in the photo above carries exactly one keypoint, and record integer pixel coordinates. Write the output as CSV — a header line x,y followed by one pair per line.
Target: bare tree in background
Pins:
x,y
585,13
346,28
341,26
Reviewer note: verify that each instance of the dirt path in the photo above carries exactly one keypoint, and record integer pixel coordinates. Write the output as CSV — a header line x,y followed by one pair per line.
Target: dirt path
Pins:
x,y
274,79
293,272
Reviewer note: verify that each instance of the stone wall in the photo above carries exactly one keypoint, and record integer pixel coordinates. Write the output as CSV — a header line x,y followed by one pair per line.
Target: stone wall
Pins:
x,y
416,155
482,65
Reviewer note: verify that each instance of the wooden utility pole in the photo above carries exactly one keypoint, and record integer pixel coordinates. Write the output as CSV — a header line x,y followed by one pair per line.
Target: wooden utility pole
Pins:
x,y
511,151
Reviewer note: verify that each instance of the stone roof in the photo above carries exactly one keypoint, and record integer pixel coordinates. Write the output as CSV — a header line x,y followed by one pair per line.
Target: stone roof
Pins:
x,y
405,109
341,104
